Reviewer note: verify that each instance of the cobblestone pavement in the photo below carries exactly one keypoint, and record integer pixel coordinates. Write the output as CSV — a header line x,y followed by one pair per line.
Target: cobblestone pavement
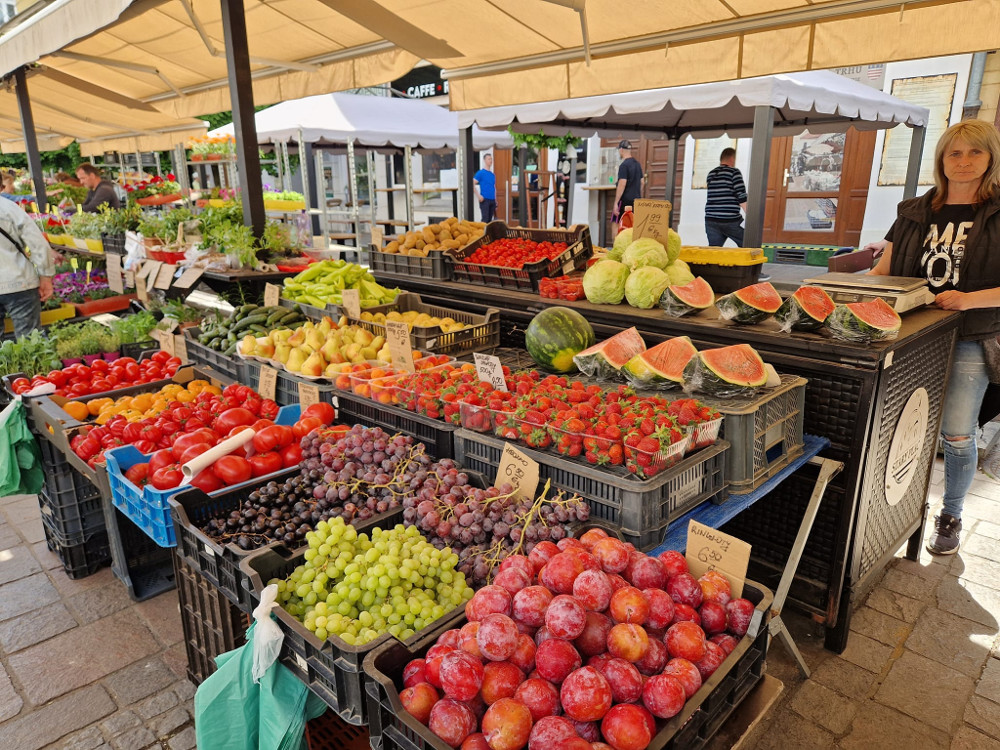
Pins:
x,y
82,667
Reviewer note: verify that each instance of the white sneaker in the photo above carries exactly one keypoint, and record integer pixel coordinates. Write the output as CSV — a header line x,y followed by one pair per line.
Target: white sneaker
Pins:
x,y
989,459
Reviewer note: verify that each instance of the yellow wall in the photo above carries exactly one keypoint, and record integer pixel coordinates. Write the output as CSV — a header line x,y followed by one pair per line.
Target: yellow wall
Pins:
x,y
989,94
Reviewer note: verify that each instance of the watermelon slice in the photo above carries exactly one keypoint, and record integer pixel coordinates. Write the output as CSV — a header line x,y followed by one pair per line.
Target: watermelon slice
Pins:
x,y
751,304
864,322
806,310
606,359
662,366
689,298
730,371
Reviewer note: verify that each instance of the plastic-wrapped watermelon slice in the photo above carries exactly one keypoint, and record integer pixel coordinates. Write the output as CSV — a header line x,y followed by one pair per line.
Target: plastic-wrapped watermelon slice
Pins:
x,y
727,372
806,310
751,304
864,322
692,297
605,359
661,366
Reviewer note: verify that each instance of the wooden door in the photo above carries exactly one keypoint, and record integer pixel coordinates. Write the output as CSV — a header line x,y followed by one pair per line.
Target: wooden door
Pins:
x,y
655,159
503,163
818,188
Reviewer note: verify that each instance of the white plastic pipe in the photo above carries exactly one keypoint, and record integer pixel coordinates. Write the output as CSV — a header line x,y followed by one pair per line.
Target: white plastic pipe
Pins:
x,y
193,467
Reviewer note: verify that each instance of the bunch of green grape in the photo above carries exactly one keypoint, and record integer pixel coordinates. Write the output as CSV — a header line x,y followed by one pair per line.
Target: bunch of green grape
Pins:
x,y
359,588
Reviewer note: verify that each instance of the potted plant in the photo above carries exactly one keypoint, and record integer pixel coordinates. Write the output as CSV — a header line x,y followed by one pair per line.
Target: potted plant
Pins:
x,y
115,222
235,241
214,148
155,191
133,333
85,229
287,200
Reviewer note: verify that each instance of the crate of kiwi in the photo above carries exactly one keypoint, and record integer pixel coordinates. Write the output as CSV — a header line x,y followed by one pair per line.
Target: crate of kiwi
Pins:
x,y
421,252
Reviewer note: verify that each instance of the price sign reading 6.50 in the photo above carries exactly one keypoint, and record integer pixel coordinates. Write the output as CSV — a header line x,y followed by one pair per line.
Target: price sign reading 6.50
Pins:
x,y
517,470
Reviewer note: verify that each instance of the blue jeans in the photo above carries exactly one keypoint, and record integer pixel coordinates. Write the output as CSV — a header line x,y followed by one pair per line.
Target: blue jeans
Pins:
x,y
24,309
719,230
960,422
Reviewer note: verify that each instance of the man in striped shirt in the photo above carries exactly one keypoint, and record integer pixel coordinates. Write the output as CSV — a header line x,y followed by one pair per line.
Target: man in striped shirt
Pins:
x,y
726,196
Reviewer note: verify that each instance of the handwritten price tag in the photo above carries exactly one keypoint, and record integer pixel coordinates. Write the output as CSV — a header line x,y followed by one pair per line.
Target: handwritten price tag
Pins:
x,y
352,303
140,289
165,276
308,394
272,293
115,281
397,335
710,549
517,470
267,384
180,347
652,219
489,370
168,343
189,278
378,237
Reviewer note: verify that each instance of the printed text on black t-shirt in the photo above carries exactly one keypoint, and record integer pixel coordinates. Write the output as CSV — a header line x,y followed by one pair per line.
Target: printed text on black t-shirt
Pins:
x,y
944,246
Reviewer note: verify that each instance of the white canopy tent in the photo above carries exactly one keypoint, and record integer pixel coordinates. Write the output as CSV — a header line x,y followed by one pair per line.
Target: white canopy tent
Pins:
x,y
785,104
336,122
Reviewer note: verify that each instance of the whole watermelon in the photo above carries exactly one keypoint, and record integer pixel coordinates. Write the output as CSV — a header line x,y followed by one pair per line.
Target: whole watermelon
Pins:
x,y
555,336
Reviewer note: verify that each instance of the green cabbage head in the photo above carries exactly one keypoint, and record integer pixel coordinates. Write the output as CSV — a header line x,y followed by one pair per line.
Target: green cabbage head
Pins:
x,y
673,245
645,252
645,285
622,240
604,282
679,273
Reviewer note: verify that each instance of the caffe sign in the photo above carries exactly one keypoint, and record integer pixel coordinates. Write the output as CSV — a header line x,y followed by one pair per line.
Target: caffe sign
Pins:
x,y
907,446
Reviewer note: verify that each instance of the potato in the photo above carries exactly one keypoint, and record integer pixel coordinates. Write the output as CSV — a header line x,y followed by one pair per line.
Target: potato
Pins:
x,y
392,247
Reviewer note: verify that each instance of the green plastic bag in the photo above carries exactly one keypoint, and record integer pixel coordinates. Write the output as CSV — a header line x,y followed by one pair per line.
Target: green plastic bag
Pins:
x,y
20,460
234,713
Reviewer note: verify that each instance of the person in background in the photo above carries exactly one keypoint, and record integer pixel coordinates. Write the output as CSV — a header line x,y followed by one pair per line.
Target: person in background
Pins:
x,y
630,182
99,191
727,197
949,236
484,182
26,269
68,179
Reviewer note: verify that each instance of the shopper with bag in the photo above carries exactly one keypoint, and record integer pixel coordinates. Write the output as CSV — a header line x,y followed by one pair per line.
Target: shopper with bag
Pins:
x,y
26,269
951,237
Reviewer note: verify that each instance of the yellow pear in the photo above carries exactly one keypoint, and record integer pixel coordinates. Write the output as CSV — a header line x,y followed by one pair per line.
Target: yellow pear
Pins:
x,y
364,337
332,370
352,352
298,337
377,343
329,349
342,322
264,347
295,360
282,352
308,325
313,367
325,326
315,339
248,344
368,352
383,354
306,349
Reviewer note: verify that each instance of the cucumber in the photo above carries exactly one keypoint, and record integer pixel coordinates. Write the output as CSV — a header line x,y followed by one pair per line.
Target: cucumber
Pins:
x,y
247,322
231,349
259,329
245,310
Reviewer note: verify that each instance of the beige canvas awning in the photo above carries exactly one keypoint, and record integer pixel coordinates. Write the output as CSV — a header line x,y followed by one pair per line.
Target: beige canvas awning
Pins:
x,y
67,109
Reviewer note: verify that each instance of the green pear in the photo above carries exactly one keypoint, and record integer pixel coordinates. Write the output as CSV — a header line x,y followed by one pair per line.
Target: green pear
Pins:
x,y
295,360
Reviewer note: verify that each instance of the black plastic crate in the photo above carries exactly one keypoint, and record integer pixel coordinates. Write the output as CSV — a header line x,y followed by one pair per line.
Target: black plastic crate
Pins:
x,y
438,436
139,349
392,728
482,331
70,503
433,266
212,625
286,389
726,279
113,243
332,669
144,567
641,509
83,558
330,732
199,354
526,279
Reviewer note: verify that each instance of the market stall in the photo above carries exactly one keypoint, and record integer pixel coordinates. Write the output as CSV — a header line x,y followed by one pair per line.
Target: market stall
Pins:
x,y
340,124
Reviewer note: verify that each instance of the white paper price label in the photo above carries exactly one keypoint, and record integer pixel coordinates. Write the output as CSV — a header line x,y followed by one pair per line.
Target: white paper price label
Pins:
x,y
397,335
272,293
268,382
351,299
517,470
168,343
105,319
710,549
489,370
308,394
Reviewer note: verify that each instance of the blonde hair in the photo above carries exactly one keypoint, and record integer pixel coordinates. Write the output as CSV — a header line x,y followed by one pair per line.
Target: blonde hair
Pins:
x,y
976,133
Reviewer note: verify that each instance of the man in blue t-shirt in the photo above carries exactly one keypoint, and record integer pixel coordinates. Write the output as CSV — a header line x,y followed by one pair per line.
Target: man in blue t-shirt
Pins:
x,y
484,182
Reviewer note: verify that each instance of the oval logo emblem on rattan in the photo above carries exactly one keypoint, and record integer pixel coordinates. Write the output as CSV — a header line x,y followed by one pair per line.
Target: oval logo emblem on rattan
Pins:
x,y
907,446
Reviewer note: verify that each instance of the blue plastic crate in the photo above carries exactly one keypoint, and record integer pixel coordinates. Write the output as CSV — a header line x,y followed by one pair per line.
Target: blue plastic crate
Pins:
x,y
148,507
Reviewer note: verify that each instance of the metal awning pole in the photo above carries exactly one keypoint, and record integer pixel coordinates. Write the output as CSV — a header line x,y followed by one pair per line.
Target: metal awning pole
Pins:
x,y
321,195
370,163
917,137
352,178
671,186
30,139
408,176
760,156
466,172
234,28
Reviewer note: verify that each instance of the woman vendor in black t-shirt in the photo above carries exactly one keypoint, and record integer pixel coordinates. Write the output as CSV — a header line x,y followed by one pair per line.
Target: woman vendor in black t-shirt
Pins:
x,y
951,236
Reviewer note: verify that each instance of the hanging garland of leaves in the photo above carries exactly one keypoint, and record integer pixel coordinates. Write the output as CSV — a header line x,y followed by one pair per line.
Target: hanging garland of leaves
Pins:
x,y
538,141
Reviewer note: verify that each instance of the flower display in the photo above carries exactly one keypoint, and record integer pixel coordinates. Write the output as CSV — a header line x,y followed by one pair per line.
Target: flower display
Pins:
x,y
153,186
212,147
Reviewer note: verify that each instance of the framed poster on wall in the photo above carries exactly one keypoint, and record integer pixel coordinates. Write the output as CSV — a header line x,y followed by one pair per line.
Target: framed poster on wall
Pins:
x,y
937,94
706,158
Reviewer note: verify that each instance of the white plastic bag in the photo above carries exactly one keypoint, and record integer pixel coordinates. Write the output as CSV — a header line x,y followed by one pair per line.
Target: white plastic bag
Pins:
x,y
267,635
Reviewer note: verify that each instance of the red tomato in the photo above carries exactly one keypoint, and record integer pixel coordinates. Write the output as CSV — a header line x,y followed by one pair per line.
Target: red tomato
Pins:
x,y
21,385
291,455
168,477
160,356
137,474
185,455
55,376
322,411
87,448
238,430
260,424
306,425
265,463
273,438
268,409
231,418
232,469
100,365
132,371
160,459
144,446
206,481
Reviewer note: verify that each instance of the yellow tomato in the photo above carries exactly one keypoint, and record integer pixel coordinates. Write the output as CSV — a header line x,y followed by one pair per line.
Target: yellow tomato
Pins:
x,y
77,409
142,401
96,406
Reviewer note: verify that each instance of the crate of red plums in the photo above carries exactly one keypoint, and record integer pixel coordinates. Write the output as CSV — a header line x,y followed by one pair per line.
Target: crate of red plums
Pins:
x,y
623,649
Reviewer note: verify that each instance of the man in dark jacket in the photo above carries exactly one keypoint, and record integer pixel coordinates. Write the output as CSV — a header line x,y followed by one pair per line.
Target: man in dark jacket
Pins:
x,y
99,190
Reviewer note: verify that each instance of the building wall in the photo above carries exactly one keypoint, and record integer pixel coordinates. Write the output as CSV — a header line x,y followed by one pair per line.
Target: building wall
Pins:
x,y
989,94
